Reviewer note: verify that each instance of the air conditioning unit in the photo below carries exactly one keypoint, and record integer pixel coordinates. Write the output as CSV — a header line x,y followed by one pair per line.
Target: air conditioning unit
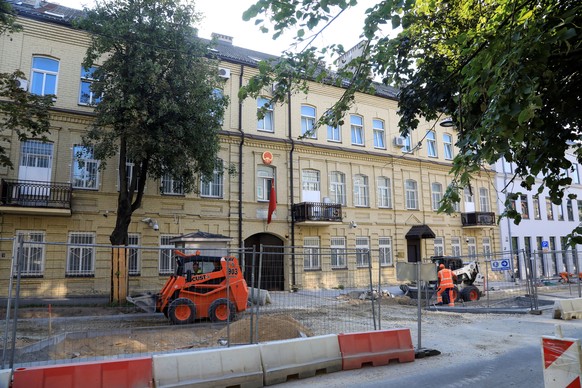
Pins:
x,y
223,73
399,141
22,83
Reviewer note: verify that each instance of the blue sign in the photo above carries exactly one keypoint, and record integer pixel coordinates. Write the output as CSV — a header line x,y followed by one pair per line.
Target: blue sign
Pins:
x,y
545,244
500,265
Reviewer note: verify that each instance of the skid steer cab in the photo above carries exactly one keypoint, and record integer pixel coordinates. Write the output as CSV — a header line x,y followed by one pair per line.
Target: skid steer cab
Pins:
x,y
203,287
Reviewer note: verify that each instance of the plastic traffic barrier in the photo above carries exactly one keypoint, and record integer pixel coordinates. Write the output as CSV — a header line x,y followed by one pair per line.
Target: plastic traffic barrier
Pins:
x,y
237,366
300,357
375,348
568,309
5,375
562,362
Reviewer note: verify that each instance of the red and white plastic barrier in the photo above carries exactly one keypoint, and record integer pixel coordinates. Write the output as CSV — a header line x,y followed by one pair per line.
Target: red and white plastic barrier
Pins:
x,y
562,362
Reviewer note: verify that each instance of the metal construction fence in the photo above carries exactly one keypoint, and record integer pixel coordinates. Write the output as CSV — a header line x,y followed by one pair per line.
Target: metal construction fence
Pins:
x,y
293,292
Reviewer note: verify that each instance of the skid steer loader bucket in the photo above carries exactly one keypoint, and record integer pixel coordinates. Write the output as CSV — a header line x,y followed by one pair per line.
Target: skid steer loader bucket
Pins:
x,y
145,302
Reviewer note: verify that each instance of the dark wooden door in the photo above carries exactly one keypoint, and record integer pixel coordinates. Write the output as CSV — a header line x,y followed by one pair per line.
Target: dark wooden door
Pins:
x,y
271,262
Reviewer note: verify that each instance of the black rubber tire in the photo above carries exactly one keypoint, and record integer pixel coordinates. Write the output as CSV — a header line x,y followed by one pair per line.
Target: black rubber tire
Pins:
x,y
470,294
178,311
216,313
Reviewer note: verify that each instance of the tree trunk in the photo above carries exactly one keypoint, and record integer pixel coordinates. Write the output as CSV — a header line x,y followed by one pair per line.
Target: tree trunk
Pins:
x,y
118,238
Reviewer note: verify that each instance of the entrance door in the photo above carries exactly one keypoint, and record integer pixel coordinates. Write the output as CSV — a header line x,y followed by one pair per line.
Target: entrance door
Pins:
x,y
272,274
36,159
413,250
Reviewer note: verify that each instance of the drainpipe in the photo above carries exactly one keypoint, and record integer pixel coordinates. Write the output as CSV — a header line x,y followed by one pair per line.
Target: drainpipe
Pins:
x,y
291,191
240,164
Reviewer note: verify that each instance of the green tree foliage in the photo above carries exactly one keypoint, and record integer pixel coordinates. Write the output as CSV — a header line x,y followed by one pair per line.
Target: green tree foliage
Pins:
x,y
159,106
23,113
507,72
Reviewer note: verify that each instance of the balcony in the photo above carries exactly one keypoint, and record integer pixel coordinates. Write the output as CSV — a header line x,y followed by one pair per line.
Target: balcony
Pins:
x,y
317,213
478,219
36,198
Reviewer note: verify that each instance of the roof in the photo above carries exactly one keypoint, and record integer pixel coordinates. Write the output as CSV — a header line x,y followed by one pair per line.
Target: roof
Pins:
x,y
418,232
223,50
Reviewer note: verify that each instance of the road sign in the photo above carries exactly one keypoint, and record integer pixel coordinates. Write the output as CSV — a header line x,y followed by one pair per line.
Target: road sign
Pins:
x,y
545,245
500,265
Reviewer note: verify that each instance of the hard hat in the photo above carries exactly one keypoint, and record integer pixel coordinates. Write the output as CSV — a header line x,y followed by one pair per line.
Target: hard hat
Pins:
x,y
442,266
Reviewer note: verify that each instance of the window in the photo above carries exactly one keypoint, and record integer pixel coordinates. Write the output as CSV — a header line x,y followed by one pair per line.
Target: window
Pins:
x,y
468,193
536,207
44,76
133,254
560,212
431,146
570,210
311,180
549,209
524,207
361,195
439,246
129,164
579,206
86,96
334,133
448,146
266,123
311,253
456,246
85,168
338,252
407,144
385,245
213,187
308,122
81,255
378,126
357,125
171,185
384,192
575,174
487,247
337,187
265,179
471,246
36,153
166,263
33,253
484,199
437,195
527,246
411,194
362,252
217,95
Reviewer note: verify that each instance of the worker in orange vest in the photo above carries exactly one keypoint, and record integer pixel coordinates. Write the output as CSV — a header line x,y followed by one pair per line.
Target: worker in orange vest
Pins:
x,y
446,286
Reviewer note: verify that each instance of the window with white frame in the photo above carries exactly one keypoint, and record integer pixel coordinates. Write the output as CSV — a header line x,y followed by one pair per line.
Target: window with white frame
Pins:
x,y
213,187
536,207
265,179
308,122
384,192
310,180
471,246
85,168
171,185
385,246
81,254
36,153
361,193
448,146
431,144
266,122
439,246
362,251
133,255
468,193
456,246
86,95
357,128
487,247
166,265
33,252
379,134
411,194
45,73
334,133
337,187
484,199
338,252
437,195
575,174
407,144
311,253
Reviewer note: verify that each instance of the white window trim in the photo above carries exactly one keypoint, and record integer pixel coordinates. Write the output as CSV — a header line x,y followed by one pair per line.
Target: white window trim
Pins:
x,y
385,247
84,248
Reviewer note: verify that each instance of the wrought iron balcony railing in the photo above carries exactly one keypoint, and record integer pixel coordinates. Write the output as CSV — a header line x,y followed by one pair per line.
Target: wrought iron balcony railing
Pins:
x,y
478,219
317,211
35,194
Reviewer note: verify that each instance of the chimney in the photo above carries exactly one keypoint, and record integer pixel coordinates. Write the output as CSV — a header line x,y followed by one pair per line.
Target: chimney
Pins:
x,y
222,38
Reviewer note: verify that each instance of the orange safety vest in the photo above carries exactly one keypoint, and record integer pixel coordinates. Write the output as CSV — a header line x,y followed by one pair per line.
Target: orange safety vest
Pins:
x,y
445,276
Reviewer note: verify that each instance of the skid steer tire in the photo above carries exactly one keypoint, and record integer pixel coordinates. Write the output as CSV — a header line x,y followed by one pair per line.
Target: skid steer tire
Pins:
x,y
470,294
182,311
221,310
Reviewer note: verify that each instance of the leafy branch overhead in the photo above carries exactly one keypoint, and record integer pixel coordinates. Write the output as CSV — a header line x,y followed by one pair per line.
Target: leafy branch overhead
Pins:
x,y
507,73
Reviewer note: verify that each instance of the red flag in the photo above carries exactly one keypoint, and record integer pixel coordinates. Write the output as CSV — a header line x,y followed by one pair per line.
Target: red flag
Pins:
x,y
272,204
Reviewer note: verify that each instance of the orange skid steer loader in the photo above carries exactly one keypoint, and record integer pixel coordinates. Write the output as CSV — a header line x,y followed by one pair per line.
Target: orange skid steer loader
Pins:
x,y
201,287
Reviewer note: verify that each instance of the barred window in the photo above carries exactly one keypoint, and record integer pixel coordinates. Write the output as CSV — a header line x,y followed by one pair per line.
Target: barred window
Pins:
x,y
133,255
338,252
213,187
166,263
439,246
456,246
385,245
362,251
311,253
33,253
81,254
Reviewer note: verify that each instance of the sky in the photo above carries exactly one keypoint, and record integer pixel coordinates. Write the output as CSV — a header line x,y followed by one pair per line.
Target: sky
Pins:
x,y
225,17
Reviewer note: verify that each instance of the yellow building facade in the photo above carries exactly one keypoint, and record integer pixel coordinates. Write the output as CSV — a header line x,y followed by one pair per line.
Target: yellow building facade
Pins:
x,y
356,188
